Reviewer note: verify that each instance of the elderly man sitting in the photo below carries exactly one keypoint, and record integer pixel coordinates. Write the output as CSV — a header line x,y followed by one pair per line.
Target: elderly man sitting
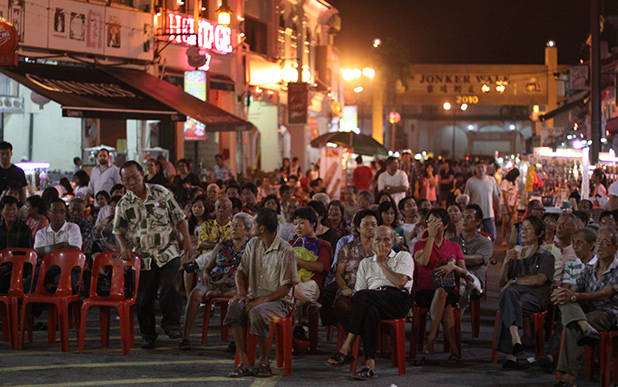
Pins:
x,y
382,292
596,293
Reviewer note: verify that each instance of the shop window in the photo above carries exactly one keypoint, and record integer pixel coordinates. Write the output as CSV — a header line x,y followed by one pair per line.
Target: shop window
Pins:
x,y
281,37
257,35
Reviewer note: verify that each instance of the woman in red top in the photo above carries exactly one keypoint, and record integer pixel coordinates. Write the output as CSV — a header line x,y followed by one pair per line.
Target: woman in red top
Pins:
x,y
438,257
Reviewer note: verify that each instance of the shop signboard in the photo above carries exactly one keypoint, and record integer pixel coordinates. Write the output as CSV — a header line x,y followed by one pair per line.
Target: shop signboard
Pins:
x,y
298,98
349,121
195,84
476,84
75,26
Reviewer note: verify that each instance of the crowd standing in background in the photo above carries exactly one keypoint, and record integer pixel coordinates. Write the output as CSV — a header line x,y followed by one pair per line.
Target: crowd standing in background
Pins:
x,y
401,232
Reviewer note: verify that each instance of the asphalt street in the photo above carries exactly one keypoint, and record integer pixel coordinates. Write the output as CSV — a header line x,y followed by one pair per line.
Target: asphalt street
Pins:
x,y
43,364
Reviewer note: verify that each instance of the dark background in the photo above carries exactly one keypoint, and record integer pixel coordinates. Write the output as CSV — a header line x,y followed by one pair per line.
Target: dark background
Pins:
x,y
473,31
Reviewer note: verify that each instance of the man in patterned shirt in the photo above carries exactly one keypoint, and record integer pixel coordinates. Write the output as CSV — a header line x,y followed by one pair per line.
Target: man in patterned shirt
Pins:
x,y
597,291
144,219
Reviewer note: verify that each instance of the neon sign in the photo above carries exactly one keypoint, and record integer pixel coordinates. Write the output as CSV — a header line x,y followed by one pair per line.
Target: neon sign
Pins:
x,y
210,35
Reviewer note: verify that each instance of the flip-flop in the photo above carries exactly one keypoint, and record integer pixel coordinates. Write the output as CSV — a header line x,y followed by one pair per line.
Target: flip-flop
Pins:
x,y
339,359
240,372
365,374
263,371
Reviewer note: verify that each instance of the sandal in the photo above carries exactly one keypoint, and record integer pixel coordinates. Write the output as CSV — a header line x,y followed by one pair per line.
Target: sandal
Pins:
x,y
453,358
364,374
240,372
339,359
263,371
428,348
185,345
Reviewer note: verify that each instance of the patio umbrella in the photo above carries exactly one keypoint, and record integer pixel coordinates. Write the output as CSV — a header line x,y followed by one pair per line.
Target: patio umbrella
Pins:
x,y
358,143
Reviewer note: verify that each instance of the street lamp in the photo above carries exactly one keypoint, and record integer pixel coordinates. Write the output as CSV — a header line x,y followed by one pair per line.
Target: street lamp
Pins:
x,y
446,106
224,14
377,42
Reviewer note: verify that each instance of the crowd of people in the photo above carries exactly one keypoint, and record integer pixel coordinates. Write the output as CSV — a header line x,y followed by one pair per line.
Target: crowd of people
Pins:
x,y
403,232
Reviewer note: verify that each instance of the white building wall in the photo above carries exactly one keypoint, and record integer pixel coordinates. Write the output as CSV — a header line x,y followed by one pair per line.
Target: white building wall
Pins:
x,y
56,139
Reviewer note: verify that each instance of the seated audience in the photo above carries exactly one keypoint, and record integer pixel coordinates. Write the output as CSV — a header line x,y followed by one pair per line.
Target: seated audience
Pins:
x,y
596,290
264,281
525,278
217,278
381,292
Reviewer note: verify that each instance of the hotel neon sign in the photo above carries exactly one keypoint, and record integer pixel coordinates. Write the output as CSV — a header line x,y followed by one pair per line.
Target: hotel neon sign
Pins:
x,y
210,36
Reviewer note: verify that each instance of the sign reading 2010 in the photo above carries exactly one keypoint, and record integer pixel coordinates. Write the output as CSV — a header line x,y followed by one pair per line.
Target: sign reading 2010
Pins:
x,y
468,99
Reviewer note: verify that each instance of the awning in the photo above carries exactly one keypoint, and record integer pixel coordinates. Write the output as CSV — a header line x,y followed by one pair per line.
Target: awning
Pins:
x,y
579,100
120,94
215,118
87,92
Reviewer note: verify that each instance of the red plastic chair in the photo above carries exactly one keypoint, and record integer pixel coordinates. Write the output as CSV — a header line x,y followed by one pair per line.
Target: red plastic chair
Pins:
x,y
60,301
538,320
116,299
10,301
419,322
608,352
398,345
283,330
222,302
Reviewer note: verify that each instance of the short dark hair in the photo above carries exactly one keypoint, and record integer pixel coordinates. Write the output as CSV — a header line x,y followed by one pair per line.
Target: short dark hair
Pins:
x,y
218,156
49,194
607,213
538,226
8,200
4,145
582,215
551,215
390,160
318,207
362,214
76,159
512,175
306,213
267,217
37,203
293,177
440,213
250,186
272,197
82,178
478,212
102,150
402,203
233,186
133,163
383,207
589,234
58,200
236,203
359,159
284,188
116,187
103,193
115,199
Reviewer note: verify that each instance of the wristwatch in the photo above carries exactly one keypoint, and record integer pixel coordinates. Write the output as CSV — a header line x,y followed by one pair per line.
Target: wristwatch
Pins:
x,y
573,298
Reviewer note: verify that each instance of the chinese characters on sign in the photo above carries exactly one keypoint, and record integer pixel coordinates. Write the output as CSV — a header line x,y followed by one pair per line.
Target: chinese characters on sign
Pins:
x,y
298,98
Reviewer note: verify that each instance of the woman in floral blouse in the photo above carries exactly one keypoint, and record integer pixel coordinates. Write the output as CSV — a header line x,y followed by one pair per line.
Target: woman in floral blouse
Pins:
x,y
218,275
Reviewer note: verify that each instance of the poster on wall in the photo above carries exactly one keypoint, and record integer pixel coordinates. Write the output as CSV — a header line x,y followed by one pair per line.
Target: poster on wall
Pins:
x,y
30,18
195,84
60,23
128,34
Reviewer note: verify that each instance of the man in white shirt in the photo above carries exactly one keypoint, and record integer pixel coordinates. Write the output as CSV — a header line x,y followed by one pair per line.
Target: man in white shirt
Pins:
x,y
382,292
393,181
60,234
104,176
483,191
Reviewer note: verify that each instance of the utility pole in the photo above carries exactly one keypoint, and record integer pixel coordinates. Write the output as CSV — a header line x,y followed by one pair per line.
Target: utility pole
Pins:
x,y
595,80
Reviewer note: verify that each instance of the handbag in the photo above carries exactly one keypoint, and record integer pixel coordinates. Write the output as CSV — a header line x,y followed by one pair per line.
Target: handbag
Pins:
x,y
445,281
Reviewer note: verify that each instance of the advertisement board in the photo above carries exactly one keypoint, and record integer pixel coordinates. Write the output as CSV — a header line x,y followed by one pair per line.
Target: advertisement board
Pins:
x,y
195,84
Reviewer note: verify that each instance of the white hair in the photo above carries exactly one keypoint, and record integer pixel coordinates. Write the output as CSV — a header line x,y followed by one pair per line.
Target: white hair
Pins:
x,y
246,219
322,197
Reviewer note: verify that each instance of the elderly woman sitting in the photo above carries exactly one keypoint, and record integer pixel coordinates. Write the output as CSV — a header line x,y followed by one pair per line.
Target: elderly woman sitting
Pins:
x,y
525,276
218,274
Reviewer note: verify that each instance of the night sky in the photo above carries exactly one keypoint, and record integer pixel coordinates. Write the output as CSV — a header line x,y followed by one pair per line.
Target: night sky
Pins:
x,y
472,31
